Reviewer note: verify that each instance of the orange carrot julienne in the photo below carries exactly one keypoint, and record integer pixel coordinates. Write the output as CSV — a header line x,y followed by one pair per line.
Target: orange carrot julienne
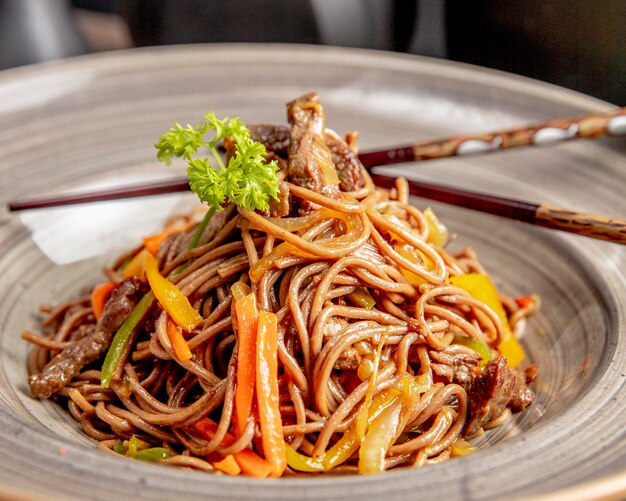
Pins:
x,y
247,320
153,242
179,344
136,267
251,464
524,301
267,393
99,296
227,465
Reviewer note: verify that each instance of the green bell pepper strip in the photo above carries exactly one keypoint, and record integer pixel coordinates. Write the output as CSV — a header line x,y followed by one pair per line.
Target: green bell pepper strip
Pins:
x,y
476,345
153,454
122,337
362,297
119,448
203,224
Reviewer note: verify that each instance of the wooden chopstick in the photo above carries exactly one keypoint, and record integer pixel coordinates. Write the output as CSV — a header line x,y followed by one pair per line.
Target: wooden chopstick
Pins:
x,y
612,123
547,216
588,126
589,225
140,190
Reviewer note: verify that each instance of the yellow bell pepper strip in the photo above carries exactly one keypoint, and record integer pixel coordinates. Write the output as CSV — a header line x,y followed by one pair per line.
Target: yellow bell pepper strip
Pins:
x,y
462,448
512,350
251,464
417,257
362,297
179,344
153,242
478,346
483,289
122,338
99,296
381,435
300,462
227,465
136,267
171,299
123,335
247,317
267,393
135,445
437,232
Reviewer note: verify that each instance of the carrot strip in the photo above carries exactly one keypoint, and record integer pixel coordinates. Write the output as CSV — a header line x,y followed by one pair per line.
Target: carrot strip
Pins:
x,y
247,320
251,464
153,242
267,393
99,296
228,465
524,301
136,267
179,344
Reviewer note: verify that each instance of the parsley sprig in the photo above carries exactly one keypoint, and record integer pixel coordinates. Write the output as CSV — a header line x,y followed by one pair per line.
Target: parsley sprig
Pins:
x,y
247,179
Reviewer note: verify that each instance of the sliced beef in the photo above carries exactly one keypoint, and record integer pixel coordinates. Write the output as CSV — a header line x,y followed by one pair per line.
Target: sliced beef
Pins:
x,y
456,363
350,358
67,364
310,161
496,388
280,207
349,167
276,138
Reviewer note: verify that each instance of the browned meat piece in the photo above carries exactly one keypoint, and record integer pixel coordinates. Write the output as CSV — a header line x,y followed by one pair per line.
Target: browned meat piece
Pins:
x,y
456,363
310,161
67,364
350,358
280,207
276,138
496,388
347,163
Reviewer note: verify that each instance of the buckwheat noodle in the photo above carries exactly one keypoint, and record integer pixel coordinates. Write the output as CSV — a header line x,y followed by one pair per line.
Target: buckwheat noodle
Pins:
x,y
306,272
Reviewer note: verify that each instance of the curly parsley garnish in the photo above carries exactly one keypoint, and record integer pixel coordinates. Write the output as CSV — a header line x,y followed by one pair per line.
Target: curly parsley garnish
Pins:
x,y
248,180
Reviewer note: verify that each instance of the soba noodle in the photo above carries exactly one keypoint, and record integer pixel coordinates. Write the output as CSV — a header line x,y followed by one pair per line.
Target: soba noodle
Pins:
x,y
336,356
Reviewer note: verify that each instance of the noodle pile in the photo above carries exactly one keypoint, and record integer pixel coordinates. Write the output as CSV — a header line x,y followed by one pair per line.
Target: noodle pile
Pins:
x,y
339,354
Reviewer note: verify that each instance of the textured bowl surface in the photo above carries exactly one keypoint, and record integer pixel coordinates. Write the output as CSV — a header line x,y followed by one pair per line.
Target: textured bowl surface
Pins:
x,y
92,122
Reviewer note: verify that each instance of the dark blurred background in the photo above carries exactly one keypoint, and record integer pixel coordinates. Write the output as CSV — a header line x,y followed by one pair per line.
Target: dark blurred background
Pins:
x,y
578,44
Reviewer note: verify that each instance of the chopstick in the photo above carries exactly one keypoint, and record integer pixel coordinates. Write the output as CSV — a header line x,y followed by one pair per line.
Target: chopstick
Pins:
x,y
176,185
547,216
596,125
587,126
